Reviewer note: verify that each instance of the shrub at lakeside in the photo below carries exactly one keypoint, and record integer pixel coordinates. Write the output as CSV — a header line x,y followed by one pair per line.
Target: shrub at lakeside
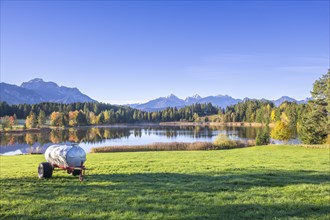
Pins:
x,y
177,146
222,141
263,137
173,146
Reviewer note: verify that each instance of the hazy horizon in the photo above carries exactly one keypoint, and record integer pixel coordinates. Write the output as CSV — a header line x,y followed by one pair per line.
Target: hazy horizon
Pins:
x,y
133,52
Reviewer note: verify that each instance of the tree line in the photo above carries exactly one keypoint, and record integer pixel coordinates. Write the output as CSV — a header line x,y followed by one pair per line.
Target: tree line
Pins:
x,y
78,114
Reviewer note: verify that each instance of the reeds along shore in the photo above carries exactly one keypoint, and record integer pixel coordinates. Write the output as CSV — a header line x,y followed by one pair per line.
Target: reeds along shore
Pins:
x,y
178,146
173,146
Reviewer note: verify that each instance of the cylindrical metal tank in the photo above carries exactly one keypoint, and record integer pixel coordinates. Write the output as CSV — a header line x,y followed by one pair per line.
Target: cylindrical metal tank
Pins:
x,y
65,155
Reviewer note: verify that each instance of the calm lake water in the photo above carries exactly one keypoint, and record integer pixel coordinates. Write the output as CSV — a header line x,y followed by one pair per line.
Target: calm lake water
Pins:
x,y
116,135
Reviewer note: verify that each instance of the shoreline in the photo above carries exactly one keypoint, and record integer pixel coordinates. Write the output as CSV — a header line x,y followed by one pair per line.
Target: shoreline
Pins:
x,y
229,124
174,123
49,128
30,130
179,146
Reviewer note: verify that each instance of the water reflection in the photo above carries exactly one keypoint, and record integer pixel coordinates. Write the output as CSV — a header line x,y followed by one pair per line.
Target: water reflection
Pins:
x,y
117,135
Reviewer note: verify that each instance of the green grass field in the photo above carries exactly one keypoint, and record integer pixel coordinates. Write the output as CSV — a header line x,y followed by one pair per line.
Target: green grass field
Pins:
x,y
270,182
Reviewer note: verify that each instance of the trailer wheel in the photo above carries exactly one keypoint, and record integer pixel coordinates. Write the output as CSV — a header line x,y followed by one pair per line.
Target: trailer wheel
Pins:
x,y
76,172
81,177
45,170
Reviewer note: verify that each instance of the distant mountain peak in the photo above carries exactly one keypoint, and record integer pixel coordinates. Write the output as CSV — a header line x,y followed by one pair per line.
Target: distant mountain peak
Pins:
x,y
196,96
174,101
219,100
246,99
285,97
36,80
172,96
193,99
227,96
282,99
37,90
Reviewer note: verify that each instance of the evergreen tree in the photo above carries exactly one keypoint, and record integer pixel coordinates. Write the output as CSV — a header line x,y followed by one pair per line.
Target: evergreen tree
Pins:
x,y
41,118
315,125
263,137
81,118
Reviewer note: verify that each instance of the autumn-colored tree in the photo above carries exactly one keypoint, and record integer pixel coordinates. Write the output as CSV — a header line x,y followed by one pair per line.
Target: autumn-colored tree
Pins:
x,y
196,117
31,121
73,118
281,131
106,115
12,121
8,122
272,115
93,119
58,119
54,118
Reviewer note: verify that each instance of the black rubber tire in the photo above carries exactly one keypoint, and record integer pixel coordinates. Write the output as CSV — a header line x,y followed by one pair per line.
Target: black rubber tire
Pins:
x,y
76,172
45,170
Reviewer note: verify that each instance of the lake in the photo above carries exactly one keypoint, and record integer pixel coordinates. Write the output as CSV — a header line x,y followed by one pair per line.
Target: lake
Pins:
x,y
116,135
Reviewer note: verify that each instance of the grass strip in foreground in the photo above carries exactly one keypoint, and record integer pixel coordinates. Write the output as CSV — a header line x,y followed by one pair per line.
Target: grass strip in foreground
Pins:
x,y
266,182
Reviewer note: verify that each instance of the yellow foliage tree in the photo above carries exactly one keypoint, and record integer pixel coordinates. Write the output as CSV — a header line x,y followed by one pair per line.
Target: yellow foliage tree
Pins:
x,y
31,121
58,119
73,118
285,118
106,116
281,131
94,119
272,115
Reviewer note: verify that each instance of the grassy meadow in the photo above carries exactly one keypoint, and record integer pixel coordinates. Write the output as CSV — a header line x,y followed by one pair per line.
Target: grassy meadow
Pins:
x,y
266,182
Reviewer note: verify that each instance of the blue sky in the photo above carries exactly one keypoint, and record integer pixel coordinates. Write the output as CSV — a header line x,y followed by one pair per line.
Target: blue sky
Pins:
x,y
126,52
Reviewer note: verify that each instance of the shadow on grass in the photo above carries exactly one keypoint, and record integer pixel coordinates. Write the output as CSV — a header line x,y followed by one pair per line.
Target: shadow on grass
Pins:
x,y
236,180
166,195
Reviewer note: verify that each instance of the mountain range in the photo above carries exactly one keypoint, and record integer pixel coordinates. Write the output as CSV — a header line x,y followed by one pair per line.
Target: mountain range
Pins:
x,y
37,90
220,100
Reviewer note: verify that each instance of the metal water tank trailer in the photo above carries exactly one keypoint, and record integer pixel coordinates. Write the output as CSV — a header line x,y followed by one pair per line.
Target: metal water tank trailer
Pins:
x,y
67,157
